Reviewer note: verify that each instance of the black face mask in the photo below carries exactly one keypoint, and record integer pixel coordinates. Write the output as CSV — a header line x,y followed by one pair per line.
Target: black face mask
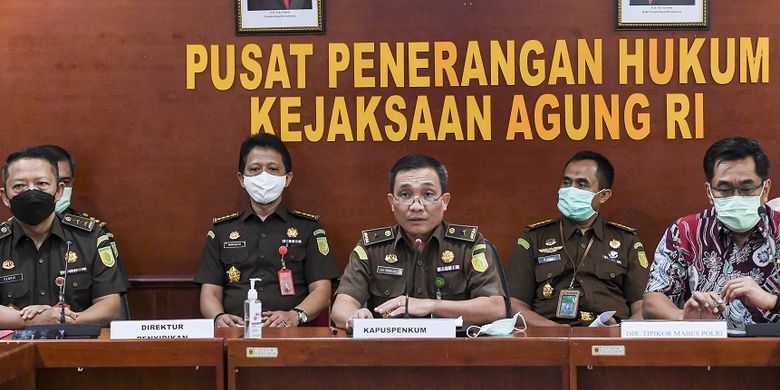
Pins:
x,y
32,206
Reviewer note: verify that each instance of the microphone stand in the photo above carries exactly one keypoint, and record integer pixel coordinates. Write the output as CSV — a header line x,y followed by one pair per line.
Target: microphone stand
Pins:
x,y
418,244
64,282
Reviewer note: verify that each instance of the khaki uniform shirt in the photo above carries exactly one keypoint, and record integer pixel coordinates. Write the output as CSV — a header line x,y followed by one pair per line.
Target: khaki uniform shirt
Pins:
x,y
240,246
611,277
28,275
384,264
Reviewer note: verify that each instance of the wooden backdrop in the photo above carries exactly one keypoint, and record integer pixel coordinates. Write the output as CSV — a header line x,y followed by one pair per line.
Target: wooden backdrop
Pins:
x,y
106,80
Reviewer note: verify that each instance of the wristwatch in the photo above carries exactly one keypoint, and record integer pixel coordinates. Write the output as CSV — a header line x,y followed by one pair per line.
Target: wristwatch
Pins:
x,y
302,317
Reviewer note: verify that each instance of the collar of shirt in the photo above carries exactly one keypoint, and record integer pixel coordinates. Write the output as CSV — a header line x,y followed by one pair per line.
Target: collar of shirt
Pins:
x,y
436,237
56,230
569,227
280,211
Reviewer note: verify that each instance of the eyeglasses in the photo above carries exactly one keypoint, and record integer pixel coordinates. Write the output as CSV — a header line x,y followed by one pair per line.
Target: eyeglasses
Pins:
x,y
407,199
725,192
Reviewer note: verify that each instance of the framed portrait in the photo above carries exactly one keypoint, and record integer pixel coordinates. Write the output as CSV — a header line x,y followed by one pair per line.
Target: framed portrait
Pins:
x,y
662,14
280,16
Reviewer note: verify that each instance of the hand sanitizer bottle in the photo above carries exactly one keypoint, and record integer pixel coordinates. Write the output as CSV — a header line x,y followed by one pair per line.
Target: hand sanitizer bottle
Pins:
x,y
253,313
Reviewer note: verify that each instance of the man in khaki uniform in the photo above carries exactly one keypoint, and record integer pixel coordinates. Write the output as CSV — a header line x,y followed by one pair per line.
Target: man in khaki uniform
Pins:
x,y
570,269
442,269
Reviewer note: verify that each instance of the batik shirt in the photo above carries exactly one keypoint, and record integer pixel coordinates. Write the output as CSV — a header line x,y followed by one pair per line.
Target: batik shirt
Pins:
x,y
697,253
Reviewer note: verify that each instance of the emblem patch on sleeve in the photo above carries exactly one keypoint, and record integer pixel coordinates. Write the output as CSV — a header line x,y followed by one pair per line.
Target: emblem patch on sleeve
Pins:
x,y
107,256
322,245
479,262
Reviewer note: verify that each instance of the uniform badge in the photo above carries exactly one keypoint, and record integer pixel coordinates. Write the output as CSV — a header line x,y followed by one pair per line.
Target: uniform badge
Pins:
x,y
293,232
614,244
547,291
106,256
479,262
524,243
72,257
642,259
322,245
8,264
551,249
391,258
613,254
447,257
234,275
234,235
550,242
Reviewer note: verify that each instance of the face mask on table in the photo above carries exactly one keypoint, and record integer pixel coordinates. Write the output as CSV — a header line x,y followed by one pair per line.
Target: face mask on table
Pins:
x,y
502,327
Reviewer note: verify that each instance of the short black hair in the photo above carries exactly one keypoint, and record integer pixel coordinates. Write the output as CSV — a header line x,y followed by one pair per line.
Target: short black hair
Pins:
x,y
419,161
58,153
732,149
34,152
604,170
264,140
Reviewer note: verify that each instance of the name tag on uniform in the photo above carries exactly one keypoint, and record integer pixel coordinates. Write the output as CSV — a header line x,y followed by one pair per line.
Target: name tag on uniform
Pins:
x,y
447,268
389,270
11,278
234,244
549,259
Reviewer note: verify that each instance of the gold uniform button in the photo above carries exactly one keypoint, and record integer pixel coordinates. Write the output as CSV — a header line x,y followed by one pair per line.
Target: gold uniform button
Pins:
x,y
582,245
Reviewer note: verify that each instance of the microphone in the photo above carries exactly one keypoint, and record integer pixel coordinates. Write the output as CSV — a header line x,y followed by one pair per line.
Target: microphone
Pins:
x,y
418,248
64,281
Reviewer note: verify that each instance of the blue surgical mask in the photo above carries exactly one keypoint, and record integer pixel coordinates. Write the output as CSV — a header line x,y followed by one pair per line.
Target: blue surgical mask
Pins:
x,y
502,327
738,213
64,201
576,204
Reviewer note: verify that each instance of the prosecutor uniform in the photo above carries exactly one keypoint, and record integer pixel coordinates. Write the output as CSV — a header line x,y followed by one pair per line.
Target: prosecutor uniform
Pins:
x,y
454,265
30,276
240,246
607,265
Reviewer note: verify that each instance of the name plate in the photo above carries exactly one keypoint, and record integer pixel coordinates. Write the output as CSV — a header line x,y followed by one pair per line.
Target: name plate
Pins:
x,y
697,329
163,329
405,328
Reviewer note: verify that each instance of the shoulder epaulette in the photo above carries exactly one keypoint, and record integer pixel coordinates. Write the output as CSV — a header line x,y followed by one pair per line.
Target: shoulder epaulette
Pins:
x,y
622,227
374,236
539,224
313,217
5,230
226,218
79,222
461,232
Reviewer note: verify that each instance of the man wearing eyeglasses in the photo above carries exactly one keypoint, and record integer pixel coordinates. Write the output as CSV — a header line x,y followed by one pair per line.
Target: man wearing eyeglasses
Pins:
x,y
721,262
423,264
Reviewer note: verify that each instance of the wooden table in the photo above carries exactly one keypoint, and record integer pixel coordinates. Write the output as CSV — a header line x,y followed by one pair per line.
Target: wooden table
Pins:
x,y
549,358
316,358
18,365
745,363
125,364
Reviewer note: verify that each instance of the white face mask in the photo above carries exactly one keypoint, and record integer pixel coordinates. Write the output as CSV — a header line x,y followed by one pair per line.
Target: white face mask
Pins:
x,y
502,327
64,201
265,187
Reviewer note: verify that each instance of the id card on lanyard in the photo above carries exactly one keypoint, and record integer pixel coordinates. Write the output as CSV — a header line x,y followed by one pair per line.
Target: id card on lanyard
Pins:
x,y
285,276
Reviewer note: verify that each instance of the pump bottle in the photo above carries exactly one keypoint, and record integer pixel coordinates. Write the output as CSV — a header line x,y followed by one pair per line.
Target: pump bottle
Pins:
x,y
253,313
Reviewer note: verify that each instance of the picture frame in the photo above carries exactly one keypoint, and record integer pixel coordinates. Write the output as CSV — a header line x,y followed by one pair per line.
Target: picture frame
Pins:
x,y
662,14
280,17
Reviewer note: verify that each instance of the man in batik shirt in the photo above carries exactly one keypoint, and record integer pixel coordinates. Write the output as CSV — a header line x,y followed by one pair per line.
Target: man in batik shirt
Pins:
x,y
720,263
